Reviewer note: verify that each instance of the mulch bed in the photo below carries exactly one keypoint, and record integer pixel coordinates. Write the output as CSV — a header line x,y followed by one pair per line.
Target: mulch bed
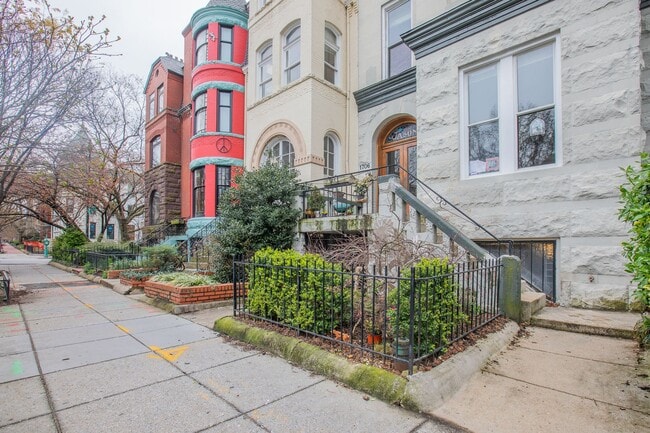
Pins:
x,y
358,356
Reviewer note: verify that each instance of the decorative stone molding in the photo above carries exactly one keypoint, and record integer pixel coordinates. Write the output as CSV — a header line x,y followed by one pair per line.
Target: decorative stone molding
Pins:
x,y
386,90
286,129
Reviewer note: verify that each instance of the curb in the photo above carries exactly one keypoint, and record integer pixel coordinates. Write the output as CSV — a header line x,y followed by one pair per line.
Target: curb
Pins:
x,y
422,392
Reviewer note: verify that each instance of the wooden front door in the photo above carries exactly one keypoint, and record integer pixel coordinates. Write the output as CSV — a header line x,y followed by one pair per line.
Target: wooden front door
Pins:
x,y
398,152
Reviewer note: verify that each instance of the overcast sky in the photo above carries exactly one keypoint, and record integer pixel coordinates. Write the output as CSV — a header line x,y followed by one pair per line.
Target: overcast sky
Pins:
x,y
148,28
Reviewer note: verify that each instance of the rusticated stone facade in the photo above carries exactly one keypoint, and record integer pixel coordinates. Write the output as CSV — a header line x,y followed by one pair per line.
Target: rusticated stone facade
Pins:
x,y
166,180
602,111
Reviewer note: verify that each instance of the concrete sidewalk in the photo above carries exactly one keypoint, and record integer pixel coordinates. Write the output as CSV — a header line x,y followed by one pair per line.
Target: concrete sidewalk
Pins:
x,y
78,357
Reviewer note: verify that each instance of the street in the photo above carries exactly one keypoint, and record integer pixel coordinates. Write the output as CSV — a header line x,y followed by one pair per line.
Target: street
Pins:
x,y
78,357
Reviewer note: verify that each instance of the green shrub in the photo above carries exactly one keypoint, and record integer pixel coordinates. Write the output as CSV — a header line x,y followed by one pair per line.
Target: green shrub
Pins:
x,y
71,238
136,274
182,279
635,195
436,305
88,268
257,213
164,258
273,292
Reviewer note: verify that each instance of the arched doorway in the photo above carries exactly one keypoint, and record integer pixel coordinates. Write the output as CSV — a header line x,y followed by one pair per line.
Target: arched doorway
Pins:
x,y
397,150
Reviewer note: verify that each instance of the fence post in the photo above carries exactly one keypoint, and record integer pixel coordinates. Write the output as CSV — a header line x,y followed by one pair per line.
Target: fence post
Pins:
x,y
411,319
510,288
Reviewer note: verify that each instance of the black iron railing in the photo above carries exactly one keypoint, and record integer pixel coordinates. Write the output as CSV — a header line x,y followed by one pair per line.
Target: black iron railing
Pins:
x,y
5,285
349,194
405,318
196,248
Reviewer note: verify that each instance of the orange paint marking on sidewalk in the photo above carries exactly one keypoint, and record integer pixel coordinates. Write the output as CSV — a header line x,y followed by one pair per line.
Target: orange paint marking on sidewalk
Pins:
x,y
171,354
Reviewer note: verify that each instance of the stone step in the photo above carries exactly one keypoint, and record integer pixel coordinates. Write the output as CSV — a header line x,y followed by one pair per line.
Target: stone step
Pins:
x,y
531,303
596,322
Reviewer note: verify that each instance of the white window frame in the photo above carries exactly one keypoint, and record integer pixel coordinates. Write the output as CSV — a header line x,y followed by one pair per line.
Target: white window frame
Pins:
x,y
286,48
507,107
337,52
262,88
156,151
282,157
199,45
386,9
335,152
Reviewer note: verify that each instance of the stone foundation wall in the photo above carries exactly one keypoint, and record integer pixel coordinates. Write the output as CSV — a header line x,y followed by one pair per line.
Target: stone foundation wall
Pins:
x,y
166,179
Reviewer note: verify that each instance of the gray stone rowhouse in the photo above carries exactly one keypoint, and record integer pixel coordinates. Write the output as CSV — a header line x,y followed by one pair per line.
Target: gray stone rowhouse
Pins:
x,y
601,118
165,179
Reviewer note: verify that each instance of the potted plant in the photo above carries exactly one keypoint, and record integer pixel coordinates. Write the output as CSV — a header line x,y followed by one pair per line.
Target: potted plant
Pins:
x,y
315,200
361,185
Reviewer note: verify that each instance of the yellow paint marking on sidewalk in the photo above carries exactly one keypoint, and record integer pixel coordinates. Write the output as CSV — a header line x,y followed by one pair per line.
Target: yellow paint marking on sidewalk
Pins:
x,y
90,306
171,354
124,329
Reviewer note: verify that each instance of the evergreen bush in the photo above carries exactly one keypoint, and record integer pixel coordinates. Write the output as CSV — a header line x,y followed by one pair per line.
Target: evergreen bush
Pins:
x,y
635,195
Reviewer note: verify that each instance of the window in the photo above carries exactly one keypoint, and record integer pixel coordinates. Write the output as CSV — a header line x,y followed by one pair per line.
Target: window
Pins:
x,y
152,106
331,56
225,43
198,196
200,107
161,99
155,152
330,155
398,21
201,47
92,230
110,231
510,114
265,71
279,150
292,55
223,183
154,208
225,111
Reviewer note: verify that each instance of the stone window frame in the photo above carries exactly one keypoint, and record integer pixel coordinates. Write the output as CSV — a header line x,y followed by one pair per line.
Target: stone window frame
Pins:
x,y
291,44
265,59
156,151
387,46
507,109
334,46
226,46
154,207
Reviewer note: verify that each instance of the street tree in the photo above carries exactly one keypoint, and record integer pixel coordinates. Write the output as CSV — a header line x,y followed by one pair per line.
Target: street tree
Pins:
x,y
46,58
111,178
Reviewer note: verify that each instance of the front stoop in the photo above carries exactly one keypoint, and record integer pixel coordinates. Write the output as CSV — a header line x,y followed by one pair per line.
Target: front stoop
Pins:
x,y
531,303
596,322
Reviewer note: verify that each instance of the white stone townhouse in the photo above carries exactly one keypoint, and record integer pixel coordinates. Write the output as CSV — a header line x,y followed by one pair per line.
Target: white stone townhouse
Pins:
x,y
520,112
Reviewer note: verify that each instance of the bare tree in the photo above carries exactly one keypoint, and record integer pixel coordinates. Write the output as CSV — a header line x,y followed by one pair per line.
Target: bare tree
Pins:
x,y
45,60
111,178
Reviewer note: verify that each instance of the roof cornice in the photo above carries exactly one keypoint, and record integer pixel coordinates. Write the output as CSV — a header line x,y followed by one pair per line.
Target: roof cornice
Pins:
x,y
386,90
463,21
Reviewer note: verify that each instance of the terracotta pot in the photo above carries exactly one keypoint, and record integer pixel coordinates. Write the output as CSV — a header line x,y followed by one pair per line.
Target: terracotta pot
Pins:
x,y
373,339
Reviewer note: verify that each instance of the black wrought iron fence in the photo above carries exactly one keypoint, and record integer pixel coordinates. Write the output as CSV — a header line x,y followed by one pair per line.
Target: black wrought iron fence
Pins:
x,y
102,261
5,285
405,317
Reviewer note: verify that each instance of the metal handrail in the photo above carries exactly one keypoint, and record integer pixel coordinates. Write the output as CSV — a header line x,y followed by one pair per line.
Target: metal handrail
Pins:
x,y
442,201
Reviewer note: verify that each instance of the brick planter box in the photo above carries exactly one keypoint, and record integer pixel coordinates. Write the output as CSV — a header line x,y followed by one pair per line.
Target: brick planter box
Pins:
x,y
135,284
113,274
188,295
